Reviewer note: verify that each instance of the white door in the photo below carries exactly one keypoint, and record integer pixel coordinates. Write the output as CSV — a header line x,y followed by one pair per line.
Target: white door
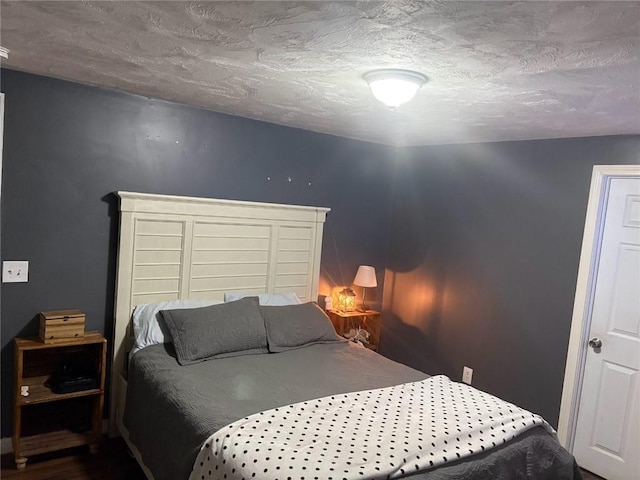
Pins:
x,y
607,438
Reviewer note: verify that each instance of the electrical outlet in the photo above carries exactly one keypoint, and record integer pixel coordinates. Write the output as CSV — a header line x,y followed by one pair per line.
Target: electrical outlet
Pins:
x,y
14,272
467,373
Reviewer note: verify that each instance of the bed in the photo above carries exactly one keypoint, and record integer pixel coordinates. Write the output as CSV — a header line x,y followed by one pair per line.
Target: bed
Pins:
x,y
173,401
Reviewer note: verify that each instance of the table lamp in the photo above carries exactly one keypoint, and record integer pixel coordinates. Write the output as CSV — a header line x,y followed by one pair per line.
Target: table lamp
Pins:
x,y
365,278
346,300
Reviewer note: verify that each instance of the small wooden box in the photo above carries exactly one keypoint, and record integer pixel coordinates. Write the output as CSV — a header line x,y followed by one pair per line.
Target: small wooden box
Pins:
x,y
61,325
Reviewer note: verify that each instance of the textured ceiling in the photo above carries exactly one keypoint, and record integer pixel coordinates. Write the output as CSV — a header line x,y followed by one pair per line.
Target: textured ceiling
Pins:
x,y
497,70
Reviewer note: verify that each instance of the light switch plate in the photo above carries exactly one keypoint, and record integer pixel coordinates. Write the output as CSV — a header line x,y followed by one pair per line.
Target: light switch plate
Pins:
x,y
15,271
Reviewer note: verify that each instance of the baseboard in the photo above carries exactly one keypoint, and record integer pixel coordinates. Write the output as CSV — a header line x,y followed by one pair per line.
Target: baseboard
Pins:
x,y
6,446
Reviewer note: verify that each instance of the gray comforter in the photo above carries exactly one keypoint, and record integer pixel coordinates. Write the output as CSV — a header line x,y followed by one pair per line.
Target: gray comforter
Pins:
x,y
172,409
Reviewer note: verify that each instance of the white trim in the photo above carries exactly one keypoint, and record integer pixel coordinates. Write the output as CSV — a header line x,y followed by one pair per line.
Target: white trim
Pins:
x,y
5,443
198,206
6,446
1,135
581,319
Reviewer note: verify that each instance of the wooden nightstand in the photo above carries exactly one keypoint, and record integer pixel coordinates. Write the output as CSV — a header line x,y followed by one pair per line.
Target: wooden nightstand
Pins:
x,y
369,321
44,421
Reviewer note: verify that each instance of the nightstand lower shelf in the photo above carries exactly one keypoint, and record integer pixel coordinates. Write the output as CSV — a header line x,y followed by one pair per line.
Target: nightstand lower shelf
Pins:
x,y
62,439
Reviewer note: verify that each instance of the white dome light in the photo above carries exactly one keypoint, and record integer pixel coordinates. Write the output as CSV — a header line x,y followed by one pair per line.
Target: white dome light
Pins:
x,y
394,87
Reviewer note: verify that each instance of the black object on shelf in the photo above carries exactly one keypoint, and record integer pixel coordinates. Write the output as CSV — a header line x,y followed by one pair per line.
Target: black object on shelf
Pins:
x,y
73,378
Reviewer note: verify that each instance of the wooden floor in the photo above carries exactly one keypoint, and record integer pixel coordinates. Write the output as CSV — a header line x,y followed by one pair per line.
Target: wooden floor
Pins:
x,y
590,476
112,462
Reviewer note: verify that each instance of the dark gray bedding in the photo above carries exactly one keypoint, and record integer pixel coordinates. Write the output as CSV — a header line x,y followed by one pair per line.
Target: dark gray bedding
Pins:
x,y
172,409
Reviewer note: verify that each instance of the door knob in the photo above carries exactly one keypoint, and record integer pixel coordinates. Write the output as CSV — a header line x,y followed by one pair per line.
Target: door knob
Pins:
x,y
595,343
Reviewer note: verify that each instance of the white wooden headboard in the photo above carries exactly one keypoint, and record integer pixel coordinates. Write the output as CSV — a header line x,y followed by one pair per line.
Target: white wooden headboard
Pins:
x,y
174,248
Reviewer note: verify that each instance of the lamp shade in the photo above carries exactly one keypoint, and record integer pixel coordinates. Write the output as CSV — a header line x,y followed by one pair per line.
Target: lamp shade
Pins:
x,y
365,277
394,87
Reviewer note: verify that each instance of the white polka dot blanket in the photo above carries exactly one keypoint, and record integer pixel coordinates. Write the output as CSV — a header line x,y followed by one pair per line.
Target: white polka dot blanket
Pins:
x,y
382,433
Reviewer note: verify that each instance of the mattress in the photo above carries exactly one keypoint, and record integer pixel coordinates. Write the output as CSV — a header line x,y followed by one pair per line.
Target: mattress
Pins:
x,y
171,409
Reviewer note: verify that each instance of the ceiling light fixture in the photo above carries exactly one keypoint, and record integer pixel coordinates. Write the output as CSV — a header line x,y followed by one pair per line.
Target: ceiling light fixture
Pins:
x,y
4,52
393,87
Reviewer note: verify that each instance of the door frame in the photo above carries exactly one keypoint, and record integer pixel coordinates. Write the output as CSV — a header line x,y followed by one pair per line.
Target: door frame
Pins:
x,y
1,136
583,302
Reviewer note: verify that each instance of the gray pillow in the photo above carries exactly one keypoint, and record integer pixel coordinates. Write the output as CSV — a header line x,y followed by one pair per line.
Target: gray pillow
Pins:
x,y
294,326
224,330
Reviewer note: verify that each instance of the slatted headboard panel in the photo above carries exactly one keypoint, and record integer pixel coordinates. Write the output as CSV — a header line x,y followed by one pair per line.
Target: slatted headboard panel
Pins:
x,y
183,247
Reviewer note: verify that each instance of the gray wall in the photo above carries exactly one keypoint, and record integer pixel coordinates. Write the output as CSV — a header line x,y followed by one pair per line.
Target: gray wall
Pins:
x,y
483,260
481,242
68,146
